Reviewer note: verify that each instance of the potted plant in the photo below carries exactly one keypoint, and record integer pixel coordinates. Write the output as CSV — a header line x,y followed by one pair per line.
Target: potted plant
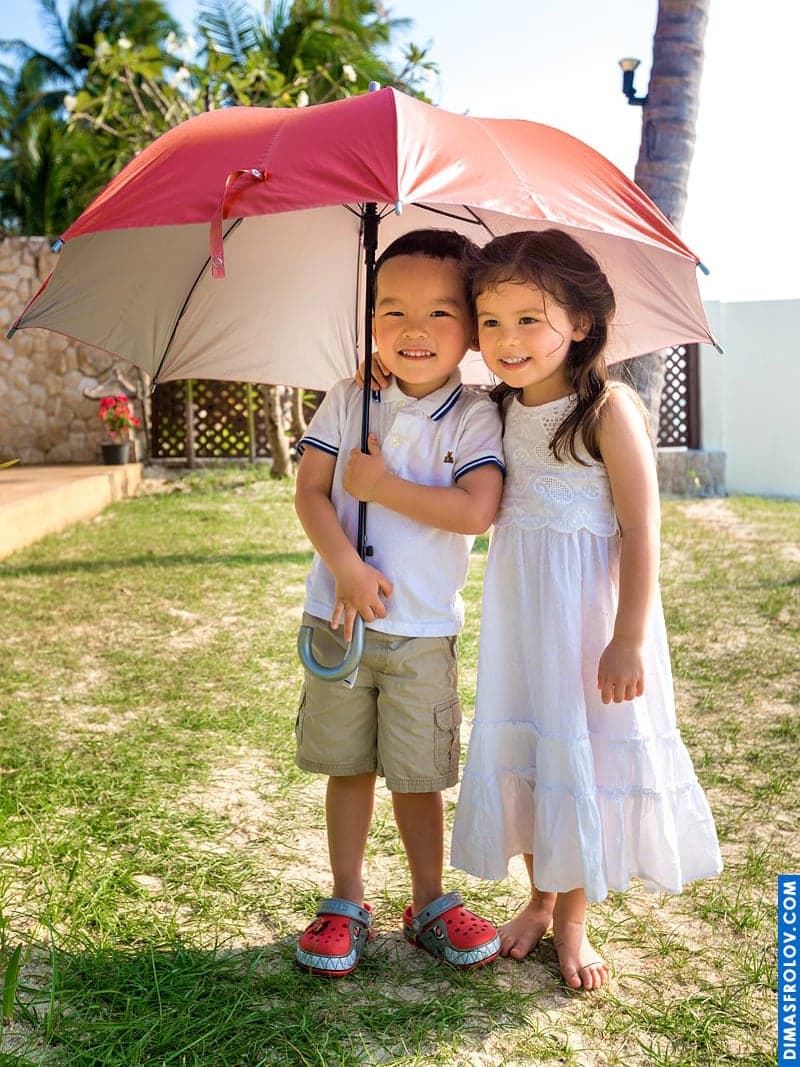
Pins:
x,y
118,421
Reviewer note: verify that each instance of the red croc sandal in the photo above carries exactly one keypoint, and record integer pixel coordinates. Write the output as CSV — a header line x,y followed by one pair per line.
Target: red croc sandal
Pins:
x,y
331,946
449,932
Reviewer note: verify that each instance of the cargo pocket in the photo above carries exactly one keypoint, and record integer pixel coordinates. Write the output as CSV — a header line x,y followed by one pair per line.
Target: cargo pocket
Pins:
x,y
301,714
446,736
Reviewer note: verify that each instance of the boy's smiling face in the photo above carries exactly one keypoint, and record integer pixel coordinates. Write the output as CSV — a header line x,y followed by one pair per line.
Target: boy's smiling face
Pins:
x,y
422,323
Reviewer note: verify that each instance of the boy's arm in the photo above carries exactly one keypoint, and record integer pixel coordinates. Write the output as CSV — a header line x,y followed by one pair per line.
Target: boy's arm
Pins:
x,y
469,507
359,587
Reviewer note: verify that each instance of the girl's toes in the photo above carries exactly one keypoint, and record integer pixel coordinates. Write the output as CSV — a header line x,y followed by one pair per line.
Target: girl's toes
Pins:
x,y
506,945
511,945
573,979
594,975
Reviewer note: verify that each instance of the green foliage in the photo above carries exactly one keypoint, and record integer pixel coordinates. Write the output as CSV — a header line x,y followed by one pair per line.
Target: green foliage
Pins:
x,y
47,180
119,76
50,170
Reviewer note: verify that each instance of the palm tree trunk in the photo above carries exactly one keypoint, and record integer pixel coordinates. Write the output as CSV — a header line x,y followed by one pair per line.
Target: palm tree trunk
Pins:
x,y
673,97
667,146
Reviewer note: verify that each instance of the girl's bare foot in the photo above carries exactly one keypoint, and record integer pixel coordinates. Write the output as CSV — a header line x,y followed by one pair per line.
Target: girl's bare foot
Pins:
x,y
522,934
581,966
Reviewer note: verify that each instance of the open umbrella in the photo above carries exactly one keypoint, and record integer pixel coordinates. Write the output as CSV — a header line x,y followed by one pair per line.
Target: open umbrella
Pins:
x,y
231,247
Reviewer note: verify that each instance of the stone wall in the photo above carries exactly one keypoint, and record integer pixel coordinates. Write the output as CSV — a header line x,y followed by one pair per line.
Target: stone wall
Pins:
x,y
691,472
44,415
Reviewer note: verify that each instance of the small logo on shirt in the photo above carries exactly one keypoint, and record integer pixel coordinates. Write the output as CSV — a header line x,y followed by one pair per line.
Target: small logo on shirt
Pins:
x,y
448,458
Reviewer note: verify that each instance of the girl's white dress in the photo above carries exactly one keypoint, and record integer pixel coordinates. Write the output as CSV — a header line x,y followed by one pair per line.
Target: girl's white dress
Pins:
x,y
599,793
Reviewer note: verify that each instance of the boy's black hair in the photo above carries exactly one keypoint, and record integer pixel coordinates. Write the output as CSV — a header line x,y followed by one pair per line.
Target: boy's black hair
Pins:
x,y
435,244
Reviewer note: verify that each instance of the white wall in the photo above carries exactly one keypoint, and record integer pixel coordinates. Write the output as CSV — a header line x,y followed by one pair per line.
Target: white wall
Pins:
x,y
750,396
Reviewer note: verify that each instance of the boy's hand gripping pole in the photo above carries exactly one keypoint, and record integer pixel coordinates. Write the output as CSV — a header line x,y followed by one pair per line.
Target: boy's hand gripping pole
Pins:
x,y
355,650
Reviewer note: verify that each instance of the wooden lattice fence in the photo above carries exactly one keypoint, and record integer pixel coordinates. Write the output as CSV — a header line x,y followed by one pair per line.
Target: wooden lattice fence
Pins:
x,y
205,419
679,422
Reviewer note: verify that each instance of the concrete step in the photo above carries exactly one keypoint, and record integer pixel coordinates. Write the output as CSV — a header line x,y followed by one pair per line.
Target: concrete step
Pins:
x,y
35,501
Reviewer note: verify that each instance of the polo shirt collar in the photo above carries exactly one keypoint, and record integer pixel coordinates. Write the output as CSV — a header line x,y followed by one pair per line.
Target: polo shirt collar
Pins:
x,y
435,405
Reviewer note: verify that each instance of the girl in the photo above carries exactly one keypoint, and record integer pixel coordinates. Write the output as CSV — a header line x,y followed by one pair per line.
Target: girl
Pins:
x,y
575,759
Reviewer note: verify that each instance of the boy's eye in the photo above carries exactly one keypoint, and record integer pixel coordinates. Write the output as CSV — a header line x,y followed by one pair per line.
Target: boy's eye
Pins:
x,y
487,323
439,313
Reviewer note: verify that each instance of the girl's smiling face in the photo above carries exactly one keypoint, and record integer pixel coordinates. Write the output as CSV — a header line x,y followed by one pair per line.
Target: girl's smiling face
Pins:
x,y
525,337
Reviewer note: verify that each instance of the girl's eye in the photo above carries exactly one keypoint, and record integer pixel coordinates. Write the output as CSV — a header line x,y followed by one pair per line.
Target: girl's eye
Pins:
x,y
486,324
528,320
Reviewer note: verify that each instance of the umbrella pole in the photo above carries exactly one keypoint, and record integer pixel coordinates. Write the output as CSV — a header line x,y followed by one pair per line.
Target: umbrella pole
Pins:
x,y
355,650
370,218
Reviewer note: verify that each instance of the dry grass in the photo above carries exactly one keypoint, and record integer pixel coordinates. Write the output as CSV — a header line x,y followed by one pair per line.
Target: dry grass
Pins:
x,y
160,850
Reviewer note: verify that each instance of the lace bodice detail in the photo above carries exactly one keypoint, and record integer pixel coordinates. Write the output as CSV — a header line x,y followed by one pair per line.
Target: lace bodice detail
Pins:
x,y
542,491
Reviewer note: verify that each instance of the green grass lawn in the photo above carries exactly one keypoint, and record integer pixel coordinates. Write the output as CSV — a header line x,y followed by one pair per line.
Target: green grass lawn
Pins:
x,y
159,850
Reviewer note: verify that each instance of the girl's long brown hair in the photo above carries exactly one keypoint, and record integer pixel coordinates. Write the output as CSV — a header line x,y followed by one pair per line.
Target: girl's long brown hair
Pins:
x,y
557,264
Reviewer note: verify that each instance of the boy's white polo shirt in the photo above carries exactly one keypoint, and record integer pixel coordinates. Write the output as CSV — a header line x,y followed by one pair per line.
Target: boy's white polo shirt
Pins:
x,y
433,440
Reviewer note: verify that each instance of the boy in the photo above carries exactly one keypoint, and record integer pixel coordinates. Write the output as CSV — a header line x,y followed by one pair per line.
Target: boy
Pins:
x,y
433,477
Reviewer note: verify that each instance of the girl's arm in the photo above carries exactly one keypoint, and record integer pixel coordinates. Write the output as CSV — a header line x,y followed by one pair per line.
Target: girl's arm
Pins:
x,y
627,453
380,376
359,587
469,507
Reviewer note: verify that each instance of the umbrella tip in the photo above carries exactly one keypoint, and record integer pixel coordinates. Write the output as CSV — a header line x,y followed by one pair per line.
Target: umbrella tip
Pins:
x,y
398,207
703,268
373,87
11,333
57,245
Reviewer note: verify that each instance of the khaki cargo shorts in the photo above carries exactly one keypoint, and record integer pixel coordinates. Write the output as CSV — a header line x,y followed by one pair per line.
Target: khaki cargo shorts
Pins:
x,y
401,718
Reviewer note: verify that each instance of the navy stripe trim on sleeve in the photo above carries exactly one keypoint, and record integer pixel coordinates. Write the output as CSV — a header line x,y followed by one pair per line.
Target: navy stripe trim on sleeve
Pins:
x,y
315,442
475,463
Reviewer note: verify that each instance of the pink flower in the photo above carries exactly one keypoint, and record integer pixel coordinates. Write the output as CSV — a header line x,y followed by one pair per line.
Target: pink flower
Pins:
x,y
117,417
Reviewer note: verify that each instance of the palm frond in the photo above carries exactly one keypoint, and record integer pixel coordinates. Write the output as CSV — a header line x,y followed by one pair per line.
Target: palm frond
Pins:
x,y
54,24
230,25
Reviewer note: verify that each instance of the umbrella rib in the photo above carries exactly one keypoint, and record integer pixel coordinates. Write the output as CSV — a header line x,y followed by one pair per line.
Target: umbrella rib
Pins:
x,y
479,221
459,218
192,287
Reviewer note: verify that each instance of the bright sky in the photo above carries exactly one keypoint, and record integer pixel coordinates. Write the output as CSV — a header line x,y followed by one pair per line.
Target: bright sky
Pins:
x,y
556,63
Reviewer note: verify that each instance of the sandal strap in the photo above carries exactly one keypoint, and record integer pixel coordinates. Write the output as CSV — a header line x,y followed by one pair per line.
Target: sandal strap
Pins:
x,y
337,906
434,910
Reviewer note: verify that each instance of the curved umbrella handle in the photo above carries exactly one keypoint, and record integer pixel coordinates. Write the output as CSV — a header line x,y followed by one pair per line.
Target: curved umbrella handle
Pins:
x,y
352,657
355,650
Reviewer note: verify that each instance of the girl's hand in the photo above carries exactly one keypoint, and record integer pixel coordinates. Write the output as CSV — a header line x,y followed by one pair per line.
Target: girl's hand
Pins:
x,y
380,376
363,472
620,675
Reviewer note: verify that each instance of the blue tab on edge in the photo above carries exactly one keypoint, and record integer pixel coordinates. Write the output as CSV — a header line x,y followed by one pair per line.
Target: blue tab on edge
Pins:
x,y
788,885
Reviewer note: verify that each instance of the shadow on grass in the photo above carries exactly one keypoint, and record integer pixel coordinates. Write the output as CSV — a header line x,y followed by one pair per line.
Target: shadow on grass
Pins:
x,y
253,1007
180,559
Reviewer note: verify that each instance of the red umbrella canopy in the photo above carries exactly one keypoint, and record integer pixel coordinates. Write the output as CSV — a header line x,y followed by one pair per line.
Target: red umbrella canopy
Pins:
x,y
230,247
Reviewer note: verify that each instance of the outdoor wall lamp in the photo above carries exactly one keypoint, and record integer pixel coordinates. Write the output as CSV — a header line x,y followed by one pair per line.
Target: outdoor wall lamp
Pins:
x,y
628,68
